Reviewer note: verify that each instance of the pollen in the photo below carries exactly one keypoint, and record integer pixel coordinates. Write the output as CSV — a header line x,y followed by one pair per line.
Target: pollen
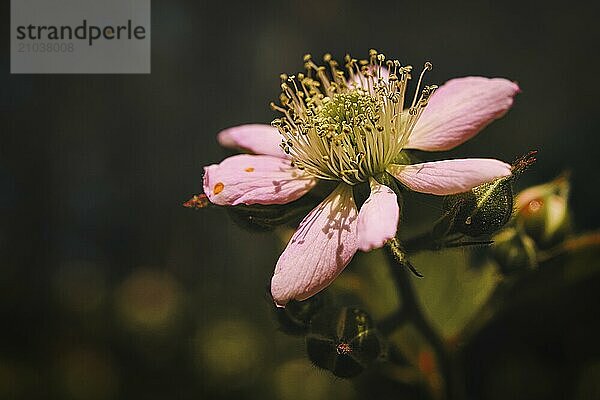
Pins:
x,y
348,125
218,188
249,169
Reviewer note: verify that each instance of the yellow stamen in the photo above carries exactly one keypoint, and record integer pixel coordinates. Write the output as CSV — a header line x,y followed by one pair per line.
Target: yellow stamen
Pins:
x,y
348,129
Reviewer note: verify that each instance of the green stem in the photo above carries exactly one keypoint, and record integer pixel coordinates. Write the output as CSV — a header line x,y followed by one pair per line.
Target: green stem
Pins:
x,y
525,285
412,312
389,324
421,242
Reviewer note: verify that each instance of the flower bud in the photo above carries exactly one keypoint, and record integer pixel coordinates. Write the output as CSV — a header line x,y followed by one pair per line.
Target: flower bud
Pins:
x,y
514,251
481,211
343,341
295,317
542,212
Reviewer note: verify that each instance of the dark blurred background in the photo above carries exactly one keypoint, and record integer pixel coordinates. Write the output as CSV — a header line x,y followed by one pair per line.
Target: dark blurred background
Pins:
x,y
109,288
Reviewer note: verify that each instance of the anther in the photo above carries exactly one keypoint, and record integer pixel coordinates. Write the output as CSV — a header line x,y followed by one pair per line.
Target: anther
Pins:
x,y
426,67
332,125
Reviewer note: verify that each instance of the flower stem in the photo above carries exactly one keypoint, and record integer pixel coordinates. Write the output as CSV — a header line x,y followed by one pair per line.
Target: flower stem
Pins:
x,y
411,311
420,243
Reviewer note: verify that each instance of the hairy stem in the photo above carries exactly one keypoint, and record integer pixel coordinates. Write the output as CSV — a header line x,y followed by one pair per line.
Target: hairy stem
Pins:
x,y
411,311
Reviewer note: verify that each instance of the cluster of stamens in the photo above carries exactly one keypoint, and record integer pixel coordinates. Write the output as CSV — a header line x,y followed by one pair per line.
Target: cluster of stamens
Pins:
x,y
348,128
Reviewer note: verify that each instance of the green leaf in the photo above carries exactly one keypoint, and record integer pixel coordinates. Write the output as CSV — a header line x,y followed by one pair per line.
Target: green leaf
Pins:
x,y
451,293
369,278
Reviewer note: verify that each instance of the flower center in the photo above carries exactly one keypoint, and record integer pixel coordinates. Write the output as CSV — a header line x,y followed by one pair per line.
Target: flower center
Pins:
x,y
344,111
348,128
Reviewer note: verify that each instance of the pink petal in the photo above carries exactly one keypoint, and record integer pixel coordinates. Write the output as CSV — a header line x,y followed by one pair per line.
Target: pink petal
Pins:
x,y
378,217
252,179
255,138
320,249
459,109
449,176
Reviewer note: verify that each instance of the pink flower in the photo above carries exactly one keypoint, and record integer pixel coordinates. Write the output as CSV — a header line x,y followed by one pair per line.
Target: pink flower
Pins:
x,y
352,130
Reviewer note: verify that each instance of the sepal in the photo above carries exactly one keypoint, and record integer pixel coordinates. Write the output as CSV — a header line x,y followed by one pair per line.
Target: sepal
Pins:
x,y
343,341
543,212
514,251
295,317
483,210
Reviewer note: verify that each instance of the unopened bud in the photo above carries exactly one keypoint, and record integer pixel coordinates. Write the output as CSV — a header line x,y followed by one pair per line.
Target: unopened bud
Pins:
x,y
344,341
542,212
481,211
295,317
514,251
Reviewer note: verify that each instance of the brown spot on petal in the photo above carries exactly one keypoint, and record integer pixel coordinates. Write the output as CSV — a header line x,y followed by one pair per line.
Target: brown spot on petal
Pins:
x,y
218,188
249,169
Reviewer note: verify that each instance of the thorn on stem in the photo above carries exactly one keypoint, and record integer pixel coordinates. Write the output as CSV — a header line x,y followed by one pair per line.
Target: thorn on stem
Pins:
x,y
413,269
400,256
